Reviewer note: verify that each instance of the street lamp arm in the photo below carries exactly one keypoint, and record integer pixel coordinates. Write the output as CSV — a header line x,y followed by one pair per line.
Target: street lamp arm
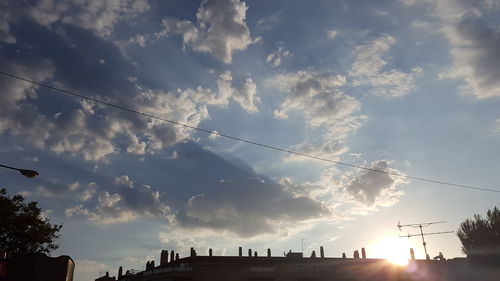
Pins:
x,y
24,172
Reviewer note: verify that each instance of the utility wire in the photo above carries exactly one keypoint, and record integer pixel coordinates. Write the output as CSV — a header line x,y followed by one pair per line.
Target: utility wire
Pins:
x,y
245,140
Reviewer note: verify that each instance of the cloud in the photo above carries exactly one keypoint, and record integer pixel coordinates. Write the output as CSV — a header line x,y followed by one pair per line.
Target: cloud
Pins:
x,y
277,57
14,91
53,188
267,23
87,269
98,16
126,203
92,132
319,98
331,34
221,29
245,95
248,207
316,95
373,188
472,30
139,39
89,192
329,149
496,126
371,69
5,18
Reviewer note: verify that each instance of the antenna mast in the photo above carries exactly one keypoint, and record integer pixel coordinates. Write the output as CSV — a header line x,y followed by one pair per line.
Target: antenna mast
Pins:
x,y
421,234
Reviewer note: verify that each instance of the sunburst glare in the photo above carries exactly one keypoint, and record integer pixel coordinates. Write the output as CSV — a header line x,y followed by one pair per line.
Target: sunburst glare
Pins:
x,y
395,250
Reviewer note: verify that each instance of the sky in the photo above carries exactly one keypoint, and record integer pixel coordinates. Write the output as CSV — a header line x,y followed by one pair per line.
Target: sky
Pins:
x,y
408,87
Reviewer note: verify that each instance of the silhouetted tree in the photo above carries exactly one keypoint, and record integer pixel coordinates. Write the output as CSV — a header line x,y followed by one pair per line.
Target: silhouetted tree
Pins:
x,y
22,228
481,236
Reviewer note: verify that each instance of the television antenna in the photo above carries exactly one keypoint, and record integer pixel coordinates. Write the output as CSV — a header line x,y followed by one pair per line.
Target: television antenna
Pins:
x,y
421,234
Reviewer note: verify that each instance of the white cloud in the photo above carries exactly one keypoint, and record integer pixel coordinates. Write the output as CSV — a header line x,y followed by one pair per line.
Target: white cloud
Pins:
x,y
245,95
88,193
74,186
277,57
221,29
331,34
319,98
32,159
316,95
267,23
418,24
496,126
124,181
370,68
89,269
329,149
127,203
139,39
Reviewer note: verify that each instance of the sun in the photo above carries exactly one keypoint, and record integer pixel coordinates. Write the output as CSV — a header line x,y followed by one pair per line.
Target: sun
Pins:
x,y
395,250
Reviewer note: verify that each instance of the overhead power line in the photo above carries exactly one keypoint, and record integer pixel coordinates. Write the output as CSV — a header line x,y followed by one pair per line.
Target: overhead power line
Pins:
x,y
245,140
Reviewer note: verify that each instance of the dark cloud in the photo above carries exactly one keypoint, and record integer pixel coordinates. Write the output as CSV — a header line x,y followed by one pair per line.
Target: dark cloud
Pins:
x,y
374,188
474,39
248,207
480,53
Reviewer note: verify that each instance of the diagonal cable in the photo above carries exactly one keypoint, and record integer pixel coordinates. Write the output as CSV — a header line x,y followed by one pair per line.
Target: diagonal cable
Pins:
x,y
245,140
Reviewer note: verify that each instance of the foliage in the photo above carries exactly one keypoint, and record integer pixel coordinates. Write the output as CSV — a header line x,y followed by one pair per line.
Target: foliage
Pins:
x,y
481,236
22,228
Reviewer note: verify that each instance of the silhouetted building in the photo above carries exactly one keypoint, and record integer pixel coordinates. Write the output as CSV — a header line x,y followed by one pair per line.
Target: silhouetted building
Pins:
x,y
293,266
37,267
107,278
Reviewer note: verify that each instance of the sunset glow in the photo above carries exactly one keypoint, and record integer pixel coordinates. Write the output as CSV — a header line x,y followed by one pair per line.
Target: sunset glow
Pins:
x,y
304,127
395,250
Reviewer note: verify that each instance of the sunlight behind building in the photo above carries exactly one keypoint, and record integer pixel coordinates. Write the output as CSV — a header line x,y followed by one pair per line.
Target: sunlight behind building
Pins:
x,y
395,250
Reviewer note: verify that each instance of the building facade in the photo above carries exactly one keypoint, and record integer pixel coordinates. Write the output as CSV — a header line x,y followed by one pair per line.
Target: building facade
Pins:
x,y
295,267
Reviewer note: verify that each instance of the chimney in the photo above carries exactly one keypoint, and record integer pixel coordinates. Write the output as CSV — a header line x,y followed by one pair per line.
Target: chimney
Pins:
x,y
107,274
172,256
268,253
356,254
152,264
313,254
255,254
120,272
163,257
192,254
344,256
210,252
176,256
412,254
148,265
363,253
240,251
249,252
321,252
